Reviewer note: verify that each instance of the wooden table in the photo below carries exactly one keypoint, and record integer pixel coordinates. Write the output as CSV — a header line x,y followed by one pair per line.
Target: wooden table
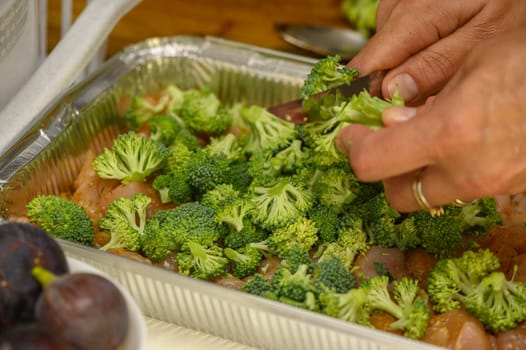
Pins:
x,y
246,21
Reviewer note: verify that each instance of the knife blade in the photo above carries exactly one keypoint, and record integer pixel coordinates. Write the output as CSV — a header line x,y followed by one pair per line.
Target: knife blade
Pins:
x,y
293,111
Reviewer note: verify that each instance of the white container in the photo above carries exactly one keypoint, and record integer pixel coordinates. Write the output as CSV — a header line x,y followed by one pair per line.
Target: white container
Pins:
x,y
22,43
60,69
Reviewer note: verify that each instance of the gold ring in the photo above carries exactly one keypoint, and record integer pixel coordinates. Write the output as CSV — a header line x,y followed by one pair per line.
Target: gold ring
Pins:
x,y
461,203
421,199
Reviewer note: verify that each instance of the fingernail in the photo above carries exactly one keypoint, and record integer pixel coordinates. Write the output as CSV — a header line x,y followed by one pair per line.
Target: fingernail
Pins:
x,y
398,115
405,85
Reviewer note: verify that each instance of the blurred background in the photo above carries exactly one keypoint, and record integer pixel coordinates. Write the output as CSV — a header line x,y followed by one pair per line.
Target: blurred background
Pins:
x,y
246,21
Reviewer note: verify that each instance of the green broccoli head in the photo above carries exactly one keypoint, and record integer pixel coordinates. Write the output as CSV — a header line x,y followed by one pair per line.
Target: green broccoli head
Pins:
x,y
452,279
415,311
133,158
326,74
295,256
365,109
179,156
174,187
294,286
481,215
497,302
336,187
250,233
301,232
141,109
171,230
440,235
61,218
234,212
245,260
260,285
124,220
201,262
206,171
331,273
323,141
350,306
326,220
409,309
163,128
216,197
361,14
202,112
280,204
228,146
267,131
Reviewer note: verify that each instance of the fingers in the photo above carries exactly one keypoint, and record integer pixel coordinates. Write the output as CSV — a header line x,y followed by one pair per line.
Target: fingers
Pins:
x,y
437,188
394,43
426,72
377,155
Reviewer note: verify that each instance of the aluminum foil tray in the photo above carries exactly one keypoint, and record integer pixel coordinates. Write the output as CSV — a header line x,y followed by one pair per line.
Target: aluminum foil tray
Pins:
x,y
49,156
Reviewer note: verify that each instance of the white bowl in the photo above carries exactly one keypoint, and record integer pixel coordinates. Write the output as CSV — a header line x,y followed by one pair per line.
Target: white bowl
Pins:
x,y
135,339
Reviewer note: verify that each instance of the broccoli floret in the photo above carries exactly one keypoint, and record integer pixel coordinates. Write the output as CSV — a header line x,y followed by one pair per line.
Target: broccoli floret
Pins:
x,y
323,141
295,256
219,195
176,99
133,158
202,112
440,235
352,241
201,262
291,158
163,128
226,145
187,138
294,286
361,14
259,285
336,187
174,187
452,279
178,158
248,234
481,215
366,110
205,171
267,131
141,109
386,227
326,220
261,168
331,273
280,204
497,302
302,232
61,218
234,211
245,261
350,306
326,74
406,306
239,176
170,230
124,220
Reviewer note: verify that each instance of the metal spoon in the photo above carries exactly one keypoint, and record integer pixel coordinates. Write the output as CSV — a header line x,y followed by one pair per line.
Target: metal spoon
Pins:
x,y
322,40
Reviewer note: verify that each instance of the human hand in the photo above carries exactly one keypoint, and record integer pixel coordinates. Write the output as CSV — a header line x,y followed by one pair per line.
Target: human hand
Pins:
x,y
419,44
470,138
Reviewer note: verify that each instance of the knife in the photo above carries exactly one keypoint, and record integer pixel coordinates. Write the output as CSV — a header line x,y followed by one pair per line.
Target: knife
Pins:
x,y
293,111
